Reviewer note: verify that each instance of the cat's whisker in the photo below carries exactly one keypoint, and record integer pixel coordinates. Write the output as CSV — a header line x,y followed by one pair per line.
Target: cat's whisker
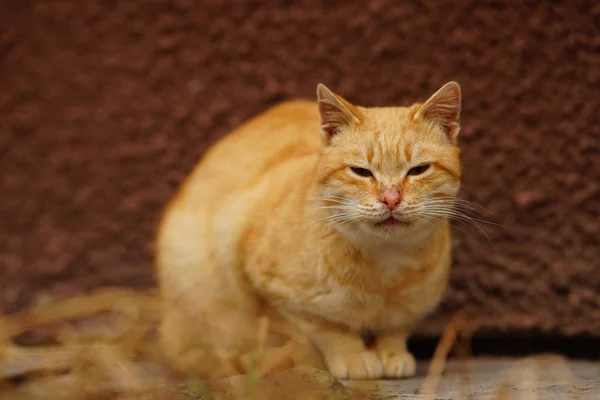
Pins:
x,y
348,203
460,204
452,215
440,219
338,222
334,217
453,199
461,208
457,213
324,196
342,201
460,218
423,220
459,200
445,208
432,223
340,217
330,198
334,207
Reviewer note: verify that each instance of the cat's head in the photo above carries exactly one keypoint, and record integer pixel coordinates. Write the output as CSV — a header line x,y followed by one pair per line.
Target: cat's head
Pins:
x,y
389,170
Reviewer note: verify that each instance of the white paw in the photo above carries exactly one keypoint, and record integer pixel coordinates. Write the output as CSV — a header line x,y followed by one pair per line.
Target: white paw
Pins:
x,y
364,365
398,365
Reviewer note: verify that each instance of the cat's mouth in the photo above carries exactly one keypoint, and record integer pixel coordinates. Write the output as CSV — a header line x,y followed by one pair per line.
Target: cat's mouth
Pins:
x,y
392,222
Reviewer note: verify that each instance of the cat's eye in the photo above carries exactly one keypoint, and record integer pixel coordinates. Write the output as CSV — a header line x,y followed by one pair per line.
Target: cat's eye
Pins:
x,y
418,170
361,171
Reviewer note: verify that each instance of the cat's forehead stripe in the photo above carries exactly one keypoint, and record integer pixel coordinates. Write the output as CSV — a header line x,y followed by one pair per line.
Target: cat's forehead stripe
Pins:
x,y
407,152
392,150
369,151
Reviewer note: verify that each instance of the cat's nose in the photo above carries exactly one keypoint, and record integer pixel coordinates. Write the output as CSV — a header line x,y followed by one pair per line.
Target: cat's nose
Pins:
x,y
390,197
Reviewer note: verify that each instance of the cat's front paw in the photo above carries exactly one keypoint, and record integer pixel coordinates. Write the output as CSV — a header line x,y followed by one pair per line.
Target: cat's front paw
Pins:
x,y
398,364
363,365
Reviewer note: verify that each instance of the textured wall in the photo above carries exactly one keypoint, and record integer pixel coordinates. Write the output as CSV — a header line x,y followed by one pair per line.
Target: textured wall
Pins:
x,y
105,106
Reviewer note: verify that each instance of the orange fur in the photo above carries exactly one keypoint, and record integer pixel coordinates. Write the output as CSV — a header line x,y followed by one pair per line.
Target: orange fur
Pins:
x,y
274,222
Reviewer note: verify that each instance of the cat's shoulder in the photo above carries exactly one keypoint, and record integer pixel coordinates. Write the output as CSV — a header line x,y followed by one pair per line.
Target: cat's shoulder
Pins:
x,y
295,108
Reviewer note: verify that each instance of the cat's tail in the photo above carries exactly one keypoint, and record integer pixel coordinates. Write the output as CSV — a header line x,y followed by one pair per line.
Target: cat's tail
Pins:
x,y
211,364
225,348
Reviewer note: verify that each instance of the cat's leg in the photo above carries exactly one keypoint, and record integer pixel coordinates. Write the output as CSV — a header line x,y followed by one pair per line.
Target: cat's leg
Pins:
x,y
346,355
217,342
184,345
300,350
230,340
201,309
396,359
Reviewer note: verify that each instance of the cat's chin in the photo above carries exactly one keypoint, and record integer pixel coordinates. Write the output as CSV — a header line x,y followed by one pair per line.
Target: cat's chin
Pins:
x,y
395,227
391,226
392,223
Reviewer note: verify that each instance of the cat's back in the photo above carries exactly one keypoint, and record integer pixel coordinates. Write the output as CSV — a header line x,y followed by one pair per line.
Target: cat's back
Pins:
x,y
285,132
242,172
249,166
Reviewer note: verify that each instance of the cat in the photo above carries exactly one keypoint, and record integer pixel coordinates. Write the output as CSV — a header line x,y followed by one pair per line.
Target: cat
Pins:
x,y
338,242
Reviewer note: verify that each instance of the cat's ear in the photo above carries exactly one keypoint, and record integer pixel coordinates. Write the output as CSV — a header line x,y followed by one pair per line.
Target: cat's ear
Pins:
x,y
444,108
336,113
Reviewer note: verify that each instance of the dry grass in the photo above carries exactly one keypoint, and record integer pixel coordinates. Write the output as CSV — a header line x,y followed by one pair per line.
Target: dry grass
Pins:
x,y
87,346
440,356
102,346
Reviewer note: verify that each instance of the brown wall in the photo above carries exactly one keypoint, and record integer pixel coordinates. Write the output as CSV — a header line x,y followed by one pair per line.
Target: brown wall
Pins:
x,y
105,105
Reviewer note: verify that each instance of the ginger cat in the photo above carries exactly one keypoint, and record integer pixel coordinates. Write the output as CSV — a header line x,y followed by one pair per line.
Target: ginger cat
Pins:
x,y
341,239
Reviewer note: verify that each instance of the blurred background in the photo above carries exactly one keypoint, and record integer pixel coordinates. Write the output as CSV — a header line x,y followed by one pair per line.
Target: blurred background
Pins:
x,y
106,105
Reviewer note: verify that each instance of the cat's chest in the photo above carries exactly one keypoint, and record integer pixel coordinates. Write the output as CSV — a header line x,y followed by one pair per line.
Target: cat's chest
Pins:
x,y
389,307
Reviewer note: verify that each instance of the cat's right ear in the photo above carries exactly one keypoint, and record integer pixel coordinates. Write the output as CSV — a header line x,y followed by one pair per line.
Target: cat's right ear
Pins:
x,y
336,113
444,108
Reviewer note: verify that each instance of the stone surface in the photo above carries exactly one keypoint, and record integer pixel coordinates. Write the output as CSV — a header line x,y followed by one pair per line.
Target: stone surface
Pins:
x,y
106,105
542,377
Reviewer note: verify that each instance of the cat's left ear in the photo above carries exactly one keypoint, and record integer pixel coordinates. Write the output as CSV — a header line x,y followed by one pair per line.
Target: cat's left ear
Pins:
x,y
444,108
336,113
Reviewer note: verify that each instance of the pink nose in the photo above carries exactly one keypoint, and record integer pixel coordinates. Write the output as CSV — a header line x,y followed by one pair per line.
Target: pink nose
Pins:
x,y
390,197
